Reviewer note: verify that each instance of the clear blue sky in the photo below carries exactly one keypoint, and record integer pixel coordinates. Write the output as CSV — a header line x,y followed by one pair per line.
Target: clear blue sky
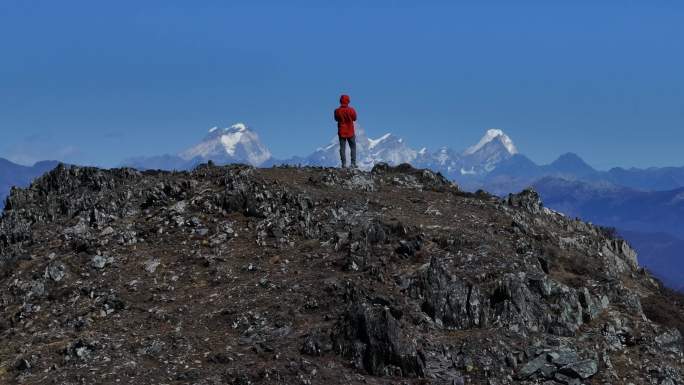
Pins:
x,y
100,81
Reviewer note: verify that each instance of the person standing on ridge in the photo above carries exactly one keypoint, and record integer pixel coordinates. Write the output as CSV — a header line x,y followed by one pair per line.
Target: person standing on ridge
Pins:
x,y
345,117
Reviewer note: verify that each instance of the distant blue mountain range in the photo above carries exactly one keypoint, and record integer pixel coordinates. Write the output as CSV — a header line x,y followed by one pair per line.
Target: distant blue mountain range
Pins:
x,y
652,221
610,205
519,171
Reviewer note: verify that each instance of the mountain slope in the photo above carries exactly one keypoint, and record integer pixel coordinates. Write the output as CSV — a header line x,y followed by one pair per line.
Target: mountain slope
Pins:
x,y
494,148
494,164
317,276
650,221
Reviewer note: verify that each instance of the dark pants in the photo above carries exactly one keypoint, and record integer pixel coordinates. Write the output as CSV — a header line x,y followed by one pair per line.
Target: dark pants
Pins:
x,y
352,148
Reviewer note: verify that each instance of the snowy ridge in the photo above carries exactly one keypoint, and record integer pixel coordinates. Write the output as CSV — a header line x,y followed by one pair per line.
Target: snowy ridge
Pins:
x,y
493,134
239,144
372,143
387,148
478,160
233,144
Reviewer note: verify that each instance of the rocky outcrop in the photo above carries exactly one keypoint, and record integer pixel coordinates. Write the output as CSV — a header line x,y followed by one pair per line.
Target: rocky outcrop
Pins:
x,y
449,301
371,337
523,302
619,255
527,199
307,275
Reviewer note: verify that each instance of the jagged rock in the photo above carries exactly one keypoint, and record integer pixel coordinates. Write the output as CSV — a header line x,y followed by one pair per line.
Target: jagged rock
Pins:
x,y
617,333
562,365
527,199
55,271
375,233
349,180
532,367
537,303
314,345
406,176
592,306
98,219
33,288
567,380
99,262
78,229
14,228
581,369
449,302
151,265
563,357
153,348
409,248
107,231
531,302
79,350
670,341
620,257
179,207
372,338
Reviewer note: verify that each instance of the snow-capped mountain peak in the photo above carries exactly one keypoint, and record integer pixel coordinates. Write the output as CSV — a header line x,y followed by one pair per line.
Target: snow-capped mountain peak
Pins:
x,y
387,148
236,143
236,128
372,143
240,144
390,149
239,127
492,135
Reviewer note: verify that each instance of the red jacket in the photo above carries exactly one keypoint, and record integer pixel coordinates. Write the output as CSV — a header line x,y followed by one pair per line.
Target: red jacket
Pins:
x,y
345,117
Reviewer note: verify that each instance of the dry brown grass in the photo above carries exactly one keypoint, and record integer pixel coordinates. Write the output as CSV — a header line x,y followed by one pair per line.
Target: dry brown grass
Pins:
x,y
665,307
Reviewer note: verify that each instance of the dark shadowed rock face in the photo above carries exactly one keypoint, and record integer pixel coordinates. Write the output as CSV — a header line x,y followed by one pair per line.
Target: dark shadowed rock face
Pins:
x,y
372,338
318,276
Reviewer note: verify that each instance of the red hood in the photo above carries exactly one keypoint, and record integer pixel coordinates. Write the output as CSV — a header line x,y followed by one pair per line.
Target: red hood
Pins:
x,y
344,100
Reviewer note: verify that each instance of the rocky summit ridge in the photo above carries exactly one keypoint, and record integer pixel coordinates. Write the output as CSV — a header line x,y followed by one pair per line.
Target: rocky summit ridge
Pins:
x,y
238,275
